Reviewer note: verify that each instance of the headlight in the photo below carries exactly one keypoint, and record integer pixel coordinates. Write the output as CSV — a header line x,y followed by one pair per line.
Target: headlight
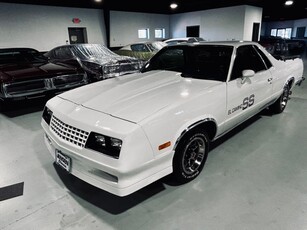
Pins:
x,y
107,145
111,71
92,66
47,114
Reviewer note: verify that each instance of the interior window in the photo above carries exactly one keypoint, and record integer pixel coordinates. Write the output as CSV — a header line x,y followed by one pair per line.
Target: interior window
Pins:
x,y
246,58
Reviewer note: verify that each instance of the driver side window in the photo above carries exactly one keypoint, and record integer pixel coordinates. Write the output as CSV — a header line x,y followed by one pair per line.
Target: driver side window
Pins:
x,y
246,58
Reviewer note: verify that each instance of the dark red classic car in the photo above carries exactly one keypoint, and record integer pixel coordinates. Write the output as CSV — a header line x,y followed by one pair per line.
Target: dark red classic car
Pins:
x,y
25,74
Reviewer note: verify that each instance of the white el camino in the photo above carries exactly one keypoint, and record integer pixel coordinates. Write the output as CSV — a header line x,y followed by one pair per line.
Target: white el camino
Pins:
x,y
124,133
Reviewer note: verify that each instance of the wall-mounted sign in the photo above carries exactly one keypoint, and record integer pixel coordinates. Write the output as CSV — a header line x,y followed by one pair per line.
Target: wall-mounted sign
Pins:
x,y
73,38
76,20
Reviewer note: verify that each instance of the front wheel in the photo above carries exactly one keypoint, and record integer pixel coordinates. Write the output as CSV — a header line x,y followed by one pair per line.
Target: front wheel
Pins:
x,y
190,156
281,103
2,106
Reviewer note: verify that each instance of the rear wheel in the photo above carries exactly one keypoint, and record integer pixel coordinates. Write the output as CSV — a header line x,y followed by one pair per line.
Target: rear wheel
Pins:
x,y
281,103
190,156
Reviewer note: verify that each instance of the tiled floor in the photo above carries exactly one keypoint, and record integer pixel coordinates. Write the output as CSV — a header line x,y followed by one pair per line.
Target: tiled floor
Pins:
x,y
254,178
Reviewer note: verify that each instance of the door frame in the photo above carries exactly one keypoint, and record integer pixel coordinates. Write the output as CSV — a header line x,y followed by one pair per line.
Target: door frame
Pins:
x,y
84,34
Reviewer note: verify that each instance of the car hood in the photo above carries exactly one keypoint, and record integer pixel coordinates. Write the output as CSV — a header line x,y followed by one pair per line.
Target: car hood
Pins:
x,y
16,72
135,97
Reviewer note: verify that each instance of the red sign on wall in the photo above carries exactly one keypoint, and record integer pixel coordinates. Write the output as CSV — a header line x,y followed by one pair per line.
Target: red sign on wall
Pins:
x,y
76,20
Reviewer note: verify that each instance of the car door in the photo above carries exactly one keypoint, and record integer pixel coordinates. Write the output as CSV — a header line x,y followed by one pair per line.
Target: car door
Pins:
x,y
247,95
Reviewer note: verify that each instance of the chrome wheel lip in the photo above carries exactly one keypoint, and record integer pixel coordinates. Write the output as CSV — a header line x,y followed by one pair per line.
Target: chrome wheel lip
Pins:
x,y
193,155
284,98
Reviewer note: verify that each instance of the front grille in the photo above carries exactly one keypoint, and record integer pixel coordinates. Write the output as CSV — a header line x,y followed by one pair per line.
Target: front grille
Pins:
x,y
25,87
68,133
68,80
40,86
130,66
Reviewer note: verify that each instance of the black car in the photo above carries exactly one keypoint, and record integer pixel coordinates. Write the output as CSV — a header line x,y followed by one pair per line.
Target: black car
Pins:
x,y
26,74
96,59
282,48
296,47
275,45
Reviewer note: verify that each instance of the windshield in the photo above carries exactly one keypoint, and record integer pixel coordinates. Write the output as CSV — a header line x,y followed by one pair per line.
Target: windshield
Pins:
x,y
33,56
210,62
21,56
156,46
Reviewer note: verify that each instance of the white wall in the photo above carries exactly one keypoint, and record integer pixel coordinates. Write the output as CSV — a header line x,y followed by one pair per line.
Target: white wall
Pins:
x,y
252,15
124,26
223,23
229,23
179,22
44,27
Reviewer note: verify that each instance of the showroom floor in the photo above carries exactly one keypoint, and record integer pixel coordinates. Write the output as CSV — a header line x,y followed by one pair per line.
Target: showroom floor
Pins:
x,y
254,178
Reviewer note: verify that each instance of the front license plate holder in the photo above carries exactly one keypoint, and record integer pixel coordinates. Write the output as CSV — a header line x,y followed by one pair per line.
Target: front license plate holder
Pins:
x,y
62,160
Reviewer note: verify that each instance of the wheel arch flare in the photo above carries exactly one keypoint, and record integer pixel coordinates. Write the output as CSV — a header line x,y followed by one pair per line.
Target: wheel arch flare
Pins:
x,y
208,124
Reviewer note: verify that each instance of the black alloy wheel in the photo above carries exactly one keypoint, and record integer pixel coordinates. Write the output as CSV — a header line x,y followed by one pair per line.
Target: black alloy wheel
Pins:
x,y
190,156
280,105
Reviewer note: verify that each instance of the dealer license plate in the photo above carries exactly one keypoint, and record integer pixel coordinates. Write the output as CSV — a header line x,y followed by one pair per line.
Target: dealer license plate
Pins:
x,y
62,160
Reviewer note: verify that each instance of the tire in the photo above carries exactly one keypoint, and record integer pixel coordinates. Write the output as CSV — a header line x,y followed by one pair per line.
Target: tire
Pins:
x,y
2,106
281,103
190,156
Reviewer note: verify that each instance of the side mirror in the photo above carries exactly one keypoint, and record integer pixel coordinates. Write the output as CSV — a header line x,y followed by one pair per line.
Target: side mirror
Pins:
x,y
146,66
248,73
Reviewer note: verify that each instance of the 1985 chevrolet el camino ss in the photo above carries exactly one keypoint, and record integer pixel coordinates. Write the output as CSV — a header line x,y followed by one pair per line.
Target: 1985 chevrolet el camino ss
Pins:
x,y
124,133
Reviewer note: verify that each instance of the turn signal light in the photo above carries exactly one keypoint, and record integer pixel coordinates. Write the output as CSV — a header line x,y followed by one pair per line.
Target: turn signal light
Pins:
x,y
165,145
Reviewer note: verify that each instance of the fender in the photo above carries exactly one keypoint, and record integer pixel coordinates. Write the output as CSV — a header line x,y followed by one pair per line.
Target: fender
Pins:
x,y
289,82
194,125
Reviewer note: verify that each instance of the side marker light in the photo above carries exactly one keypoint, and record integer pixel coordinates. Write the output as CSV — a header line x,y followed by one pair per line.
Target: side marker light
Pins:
x,y
165,145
